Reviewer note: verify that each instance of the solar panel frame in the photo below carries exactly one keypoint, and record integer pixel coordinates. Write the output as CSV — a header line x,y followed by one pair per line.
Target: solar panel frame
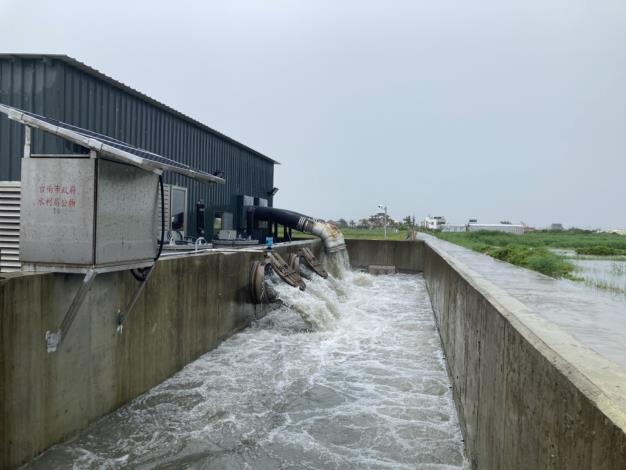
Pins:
x,y
107,146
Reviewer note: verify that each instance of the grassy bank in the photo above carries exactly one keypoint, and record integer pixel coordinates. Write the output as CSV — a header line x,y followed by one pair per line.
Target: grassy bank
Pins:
x,y
571,239
515,249
600,250
531,251
536,258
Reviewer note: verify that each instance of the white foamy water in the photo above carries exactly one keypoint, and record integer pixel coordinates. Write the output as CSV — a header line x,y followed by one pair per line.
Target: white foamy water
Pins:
x,y
348,374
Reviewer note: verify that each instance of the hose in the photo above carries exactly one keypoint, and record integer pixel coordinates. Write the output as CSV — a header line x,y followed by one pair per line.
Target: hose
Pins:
x,y
141,273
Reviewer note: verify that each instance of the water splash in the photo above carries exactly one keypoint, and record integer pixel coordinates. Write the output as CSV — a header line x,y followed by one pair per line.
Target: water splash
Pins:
x,y
320,304
366,389
337,264
317,305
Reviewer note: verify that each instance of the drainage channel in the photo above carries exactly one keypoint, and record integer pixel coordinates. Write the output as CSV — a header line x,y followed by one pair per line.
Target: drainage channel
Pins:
x,y
347,373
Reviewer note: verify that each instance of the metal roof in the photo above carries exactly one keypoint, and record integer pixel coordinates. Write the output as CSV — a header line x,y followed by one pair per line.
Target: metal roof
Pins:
x,y
107,146
101,76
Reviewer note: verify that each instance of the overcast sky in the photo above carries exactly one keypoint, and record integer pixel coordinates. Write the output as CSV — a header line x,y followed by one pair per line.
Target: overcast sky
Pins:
x,y
486,109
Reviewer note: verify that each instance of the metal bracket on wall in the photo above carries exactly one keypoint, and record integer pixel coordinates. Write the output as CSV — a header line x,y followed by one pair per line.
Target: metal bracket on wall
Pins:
x,y
123,315
284,271
54,338
313,262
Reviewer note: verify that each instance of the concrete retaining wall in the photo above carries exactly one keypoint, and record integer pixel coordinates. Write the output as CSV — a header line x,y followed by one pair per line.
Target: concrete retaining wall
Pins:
x,y
190,305
406,256
528,395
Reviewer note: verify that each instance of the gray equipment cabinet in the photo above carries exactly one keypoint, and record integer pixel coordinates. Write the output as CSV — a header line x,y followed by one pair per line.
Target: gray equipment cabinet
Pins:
x,y
91,212
84,213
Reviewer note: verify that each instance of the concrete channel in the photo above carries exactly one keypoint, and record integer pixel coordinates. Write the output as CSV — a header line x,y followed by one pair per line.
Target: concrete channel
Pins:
x,y
528,392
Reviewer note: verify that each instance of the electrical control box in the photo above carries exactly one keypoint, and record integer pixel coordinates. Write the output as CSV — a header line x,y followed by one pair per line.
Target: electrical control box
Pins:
x,y
83,213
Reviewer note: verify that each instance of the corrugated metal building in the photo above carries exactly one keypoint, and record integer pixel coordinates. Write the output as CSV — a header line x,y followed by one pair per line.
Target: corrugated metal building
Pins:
x,y
62,88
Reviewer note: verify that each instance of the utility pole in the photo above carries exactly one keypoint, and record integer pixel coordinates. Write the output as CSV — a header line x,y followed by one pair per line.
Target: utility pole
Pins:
x,y
380,206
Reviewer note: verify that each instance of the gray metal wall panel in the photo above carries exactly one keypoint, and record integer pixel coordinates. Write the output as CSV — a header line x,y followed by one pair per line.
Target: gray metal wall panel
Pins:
x,y
59,90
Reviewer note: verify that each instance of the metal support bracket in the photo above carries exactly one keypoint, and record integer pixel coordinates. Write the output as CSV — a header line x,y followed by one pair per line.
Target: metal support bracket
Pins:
x,y
54,338
284,271
123,315
313,262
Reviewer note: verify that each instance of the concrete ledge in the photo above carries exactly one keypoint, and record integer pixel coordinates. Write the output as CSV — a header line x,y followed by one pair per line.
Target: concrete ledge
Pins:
x,y
378,270
190,305
528,394
406,256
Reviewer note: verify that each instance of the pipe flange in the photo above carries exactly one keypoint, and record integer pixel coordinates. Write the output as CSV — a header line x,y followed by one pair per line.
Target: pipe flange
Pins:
x,y
257,282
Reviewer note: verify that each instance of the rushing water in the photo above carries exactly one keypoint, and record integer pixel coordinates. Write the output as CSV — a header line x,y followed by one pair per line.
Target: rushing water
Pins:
x,y
354,379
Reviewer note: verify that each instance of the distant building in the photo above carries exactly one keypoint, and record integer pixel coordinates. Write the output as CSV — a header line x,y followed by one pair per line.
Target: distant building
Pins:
x,y
454,228
616,231
434,222
556,227
517,229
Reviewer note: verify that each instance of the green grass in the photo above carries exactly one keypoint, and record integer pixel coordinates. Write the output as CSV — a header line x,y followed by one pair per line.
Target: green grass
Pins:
x,y
505,248
530,250
536,258
600,250
572,239
373,234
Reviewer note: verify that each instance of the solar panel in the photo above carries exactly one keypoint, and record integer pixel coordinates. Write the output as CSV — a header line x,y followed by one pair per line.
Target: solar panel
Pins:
x,y
106,146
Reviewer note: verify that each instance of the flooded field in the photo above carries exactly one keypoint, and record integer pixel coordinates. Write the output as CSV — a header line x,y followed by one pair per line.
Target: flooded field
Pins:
x,y
348,374
606,273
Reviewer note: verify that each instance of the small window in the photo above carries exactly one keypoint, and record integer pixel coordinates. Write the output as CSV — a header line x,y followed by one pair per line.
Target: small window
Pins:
x,y
178,209
217,222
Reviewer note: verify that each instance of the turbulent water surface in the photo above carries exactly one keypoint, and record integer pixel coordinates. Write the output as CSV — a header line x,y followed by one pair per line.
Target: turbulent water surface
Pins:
x,y
348,374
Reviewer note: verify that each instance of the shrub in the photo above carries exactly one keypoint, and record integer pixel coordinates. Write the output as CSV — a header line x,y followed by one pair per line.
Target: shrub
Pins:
x,y
599,250
537,259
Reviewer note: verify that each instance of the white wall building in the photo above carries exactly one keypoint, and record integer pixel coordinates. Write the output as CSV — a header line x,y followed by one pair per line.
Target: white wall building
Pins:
x,y
434,222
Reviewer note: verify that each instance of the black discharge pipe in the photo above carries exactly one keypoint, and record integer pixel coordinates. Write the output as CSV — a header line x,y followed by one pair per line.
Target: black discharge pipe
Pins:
x,y
331,236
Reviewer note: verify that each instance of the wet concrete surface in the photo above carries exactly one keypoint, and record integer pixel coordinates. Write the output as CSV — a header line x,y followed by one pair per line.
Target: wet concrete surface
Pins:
x,y
594,318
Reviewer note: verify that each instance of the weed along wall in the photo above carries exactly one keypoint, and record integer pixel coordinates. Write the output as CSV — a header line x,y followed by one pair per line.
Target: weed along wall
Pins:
x,y
528,394
190,305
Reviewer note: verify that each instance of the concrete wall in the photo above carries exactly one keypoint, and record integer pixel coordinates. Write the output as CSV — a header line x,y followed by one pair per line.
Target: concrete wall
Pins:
x,y
528,395
190,305
526,392
406,256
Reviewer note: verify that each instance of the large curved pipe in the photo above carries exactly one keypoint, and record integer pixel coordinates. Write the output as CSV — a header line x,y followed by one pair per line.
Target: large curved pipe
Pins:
x,y
331,236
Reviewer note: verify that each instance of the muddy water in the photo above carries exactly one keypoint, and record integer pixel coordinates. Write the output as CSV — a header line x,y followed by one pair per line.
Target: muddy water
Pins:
x,y
348,374
606,274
